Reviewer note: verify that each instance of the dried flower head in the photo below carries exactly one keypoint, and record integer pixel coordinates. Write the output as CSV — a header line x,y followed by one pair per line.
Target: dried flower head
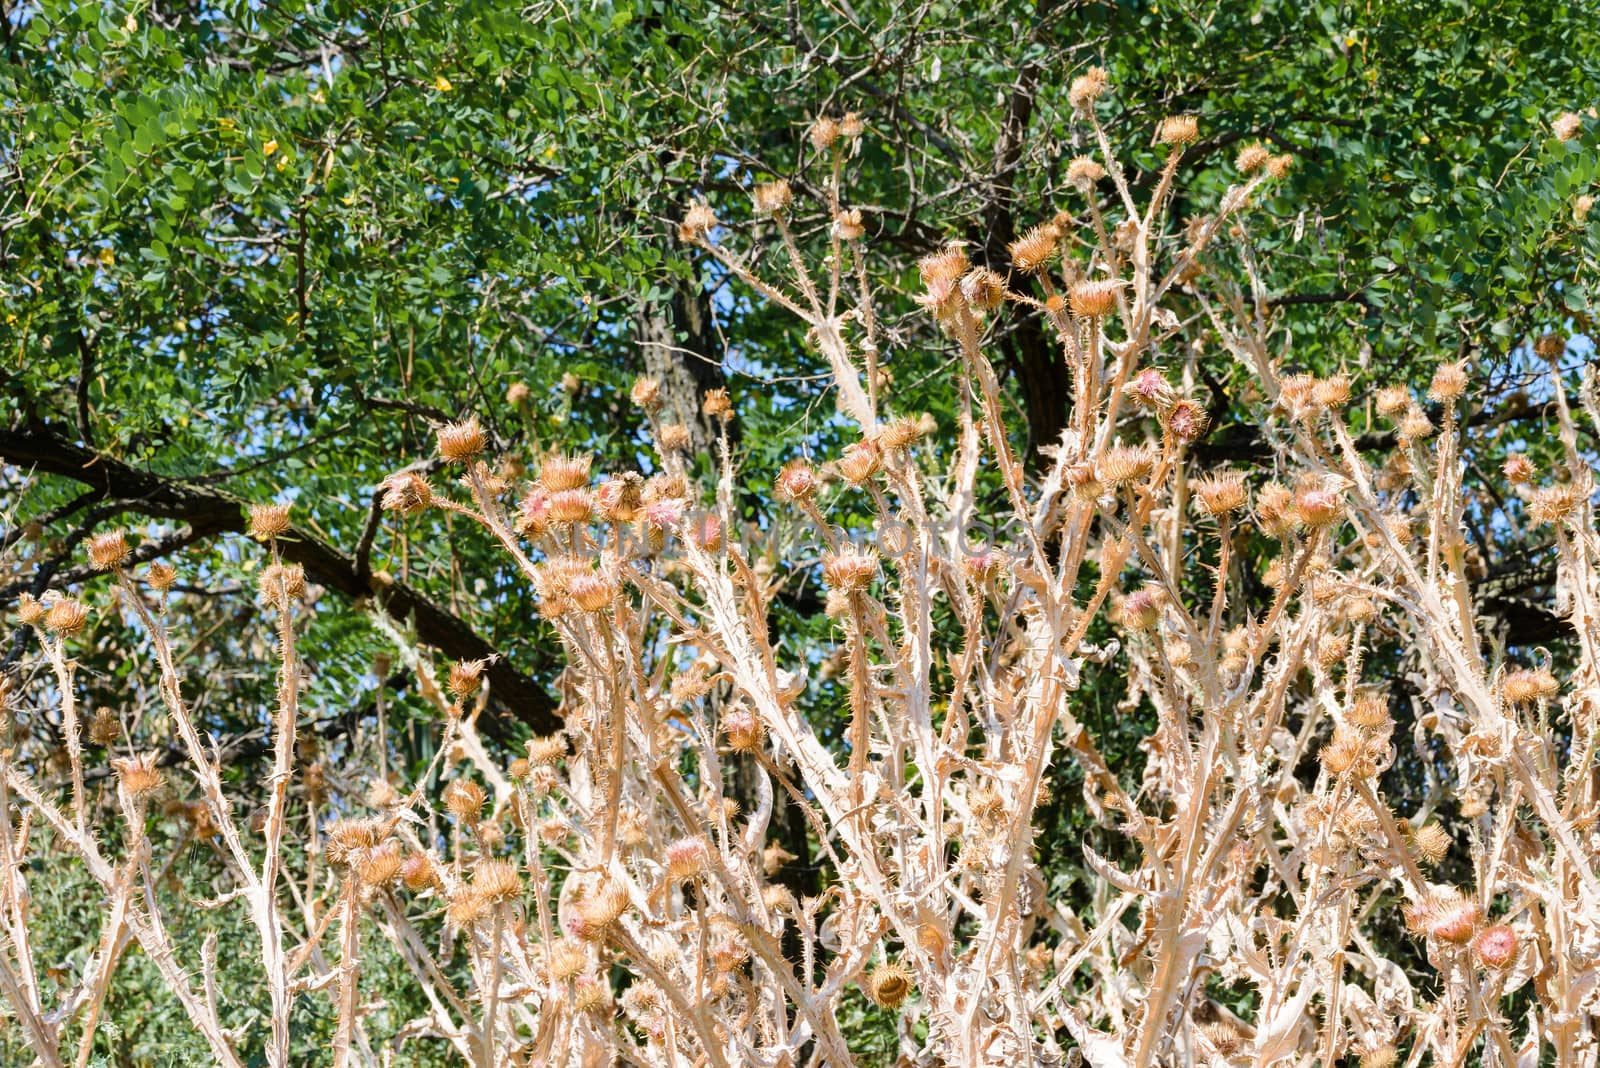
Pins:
x,y
1086,88
1554,504
823,133
464,799
1518,469
772,197
1393,399
1332,392
282,584
461,441
744,730
1431,843
1083,172
1252,158
496,881
104,729
860,462
1280,166
848,225
1178,130
380,865
1550,346
1221,493
852,126
1187,421
673,437
698,222
646,393
687,858
1449,382
346,839
465,677
570,507
796,482
889,985
1526,687
566,958
983,290
1495,946
716,404
1567,126
1093,300
1033,251
1126,463
1416,426
66,616
546,750
559,473
407,492
108,551
850,570
417,872
31,611
139,777
269,521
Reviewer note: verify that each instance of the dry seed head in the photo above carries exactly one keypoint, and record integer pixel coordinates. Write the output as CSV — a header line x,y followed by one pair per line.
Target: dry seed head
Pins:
x,y
66,616
496,881
348,838
1567,125
673,437
139,777
744,730
823,133
282,583
1449,917
1582,205
889,985
108,551
1392,399
1383,1056
104,730
1221,493
570,507
1280,166
1431,843
1084,481
716,404
546,750
1370,712
1332,392
592,591
1187,421
465,677
1178,130
466,908
30,611
772,197
269,521
796,482
646,393
1125,463
1083,172
603,907
848,226
1331,650
416,872
698,221
1141,609
1086,88
380,865
1495,946
461,441
901,433
1550,346
517,394
850,570
851,125
1093,300
1033,251
1547,504
774,857
1416,425
618,498
1316,508
1151,389
686,858
1525,687
1449,382
1252,158
560,473
407,492
464,799
1518,469
983,290
860,462
566,958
